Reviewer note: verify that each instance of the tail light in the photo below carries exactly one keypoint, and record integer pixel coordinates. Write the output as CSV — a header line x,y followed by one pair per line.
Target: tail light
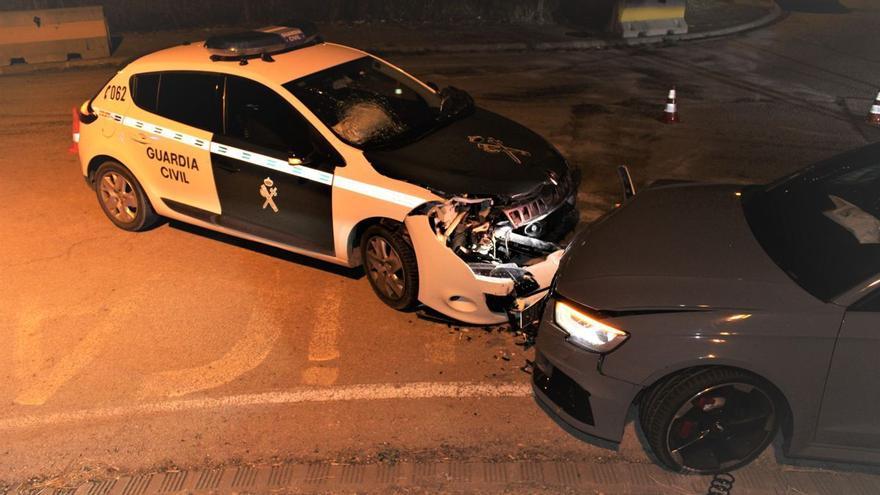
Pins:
x,y
79,117
74,130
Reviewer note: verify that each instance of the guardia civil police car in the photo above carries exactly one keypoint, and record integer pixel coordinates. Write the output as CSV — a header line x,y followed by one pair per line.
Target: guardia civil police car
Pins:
x,y
281,138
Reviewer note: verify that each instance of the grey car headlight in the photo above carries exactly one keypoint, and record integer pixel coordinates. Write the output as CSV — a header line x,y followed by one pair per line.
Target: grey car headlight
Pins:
x,y
587,332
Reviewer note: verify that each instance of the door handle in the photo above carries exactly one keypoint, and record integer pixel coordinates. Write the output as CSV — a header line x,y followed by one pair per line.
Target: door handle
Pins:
x,y
227,166
141,138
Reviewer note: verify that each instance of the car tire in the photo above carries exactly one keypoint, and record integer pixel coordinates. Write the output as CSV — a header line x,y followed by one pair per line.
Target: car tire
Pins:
x,y
122,198
662,388
390,264
710,420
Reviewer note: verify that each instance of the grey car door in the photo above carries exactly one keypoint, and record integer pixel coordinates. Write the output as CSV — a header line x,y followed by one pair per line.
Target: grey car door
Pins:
x,y
850,415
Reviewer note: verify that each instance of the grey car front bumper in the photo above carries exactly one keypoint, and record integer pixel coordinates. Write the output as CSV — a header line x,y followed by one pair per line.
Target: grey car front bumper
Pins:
x,y
568,381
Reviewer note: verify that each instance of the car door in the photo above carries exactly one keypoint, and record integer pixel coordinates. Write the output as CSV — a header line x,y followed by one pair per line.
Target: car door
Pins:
x,y
171,129
273,171
850,415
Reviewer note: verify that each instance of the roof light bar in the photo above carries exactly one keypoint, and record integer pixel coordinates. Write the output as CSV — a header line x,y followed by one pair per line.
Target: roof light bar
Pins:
x,y
263,42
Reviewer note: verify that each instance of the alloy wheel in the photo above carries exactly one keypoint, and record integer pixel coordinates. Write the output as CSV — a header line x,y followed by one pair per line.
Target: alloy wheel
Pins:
x,y
721,426
119,197
385,268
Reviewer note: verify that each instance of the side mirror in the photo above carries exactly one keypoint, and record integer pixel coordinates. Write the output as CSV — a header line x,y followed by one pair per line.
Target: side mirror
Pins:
x,y
318,160
433,85
295,160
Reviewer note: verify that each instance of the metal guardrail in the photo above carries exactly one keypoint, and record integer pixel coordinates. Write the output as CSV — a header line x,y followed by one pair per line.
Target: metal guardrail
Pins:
x,y
53,35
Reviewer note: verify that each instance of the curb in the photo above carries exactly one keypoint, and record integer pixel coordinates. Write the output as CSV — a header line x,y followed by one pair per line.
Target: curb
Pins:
x,y
776,13
58,66
459,476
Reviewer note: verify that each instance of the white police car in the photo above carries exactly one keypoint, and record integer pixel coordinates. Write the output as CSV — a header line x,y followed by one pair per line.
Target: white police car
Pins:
x,y
278,137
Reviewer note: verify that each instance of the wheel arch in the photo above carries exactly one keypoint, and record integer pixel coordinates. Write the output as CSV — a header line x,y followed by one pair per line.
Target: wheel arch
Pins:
x,y
786,421
96,162
357,232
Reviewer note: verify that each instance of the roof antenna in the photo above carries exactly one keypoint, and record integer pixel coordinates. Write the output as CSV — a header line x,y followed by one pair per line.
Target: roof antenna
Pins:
x,y
243,61
265,57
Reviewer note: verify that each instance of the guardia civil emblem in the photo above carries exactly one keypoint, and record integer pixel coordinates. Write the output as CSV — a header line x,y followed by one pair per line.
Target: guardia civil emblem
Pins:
x,y
268,191
493,145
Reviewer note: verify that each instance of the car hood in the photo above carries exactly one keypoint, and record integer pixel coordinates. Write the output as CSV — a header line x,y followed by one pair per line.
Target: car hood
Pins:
x,y
482,154
687,247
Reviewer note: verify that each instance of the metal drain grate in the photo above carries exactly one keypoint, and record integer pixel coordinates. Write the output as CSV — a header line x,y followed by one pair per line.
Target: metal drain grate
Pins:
x,y
173,481
137,485
456,476
209,480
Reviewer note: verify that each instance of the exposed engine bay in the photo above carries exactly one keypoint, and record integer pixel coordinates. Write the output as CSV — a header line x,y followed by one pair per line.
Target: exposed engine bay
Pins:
x,y
508,252
483,235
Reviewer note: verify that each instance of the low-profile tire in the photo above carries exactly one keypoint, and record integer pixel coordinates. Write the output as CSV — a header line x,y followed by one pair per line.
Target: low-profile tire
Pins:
x,y
662,388
122,198
390,264
711,420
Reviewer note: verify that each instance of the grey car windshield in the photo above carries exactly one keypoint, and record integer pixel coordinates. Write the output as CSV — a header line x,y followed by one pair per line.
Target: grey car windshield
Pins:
x,y
822,226
367,103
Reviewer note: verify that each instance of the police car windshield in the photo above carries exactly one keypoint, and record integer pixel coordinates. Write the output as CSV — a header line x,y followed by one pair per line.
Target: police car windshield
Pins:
x,y
368,103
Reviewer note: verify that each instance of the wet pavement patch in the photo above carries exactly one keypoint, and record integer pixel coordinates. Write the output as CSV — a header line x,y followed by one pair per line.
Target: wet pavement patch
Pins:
x,y
584,109
813,6
548,92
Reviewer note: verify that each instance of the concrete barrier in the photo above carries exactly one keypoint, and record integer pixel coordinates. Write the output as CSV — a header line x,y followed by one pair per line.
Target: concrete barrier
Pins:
x,y
637,18
53,35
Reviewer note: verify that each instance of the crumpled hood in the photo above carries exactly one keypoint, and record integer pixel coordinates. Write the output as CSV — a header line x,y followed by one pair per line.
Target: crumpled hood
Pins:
x,y
464,158
673,248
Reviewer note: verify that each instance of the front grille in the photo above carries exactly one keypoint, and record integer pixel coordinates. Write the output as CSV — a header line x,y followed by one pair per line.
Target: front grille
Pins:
x,y
550,198
564,392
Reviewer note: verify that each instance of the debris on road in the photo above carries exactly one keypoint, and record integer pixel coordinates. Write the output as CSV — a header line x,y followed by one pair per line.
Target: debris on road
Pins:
x,y
388,454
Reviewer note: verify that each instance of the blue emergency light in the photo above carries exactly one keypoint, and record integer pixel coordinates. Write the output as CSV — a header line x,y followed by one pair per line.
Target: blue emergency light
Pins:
x,y
263,43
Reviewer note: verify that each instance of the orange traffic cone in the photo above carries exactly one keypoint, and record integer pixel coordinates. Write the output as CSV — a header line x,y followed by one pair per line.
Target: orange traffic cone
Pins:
x,y
74,130
874,114
670,113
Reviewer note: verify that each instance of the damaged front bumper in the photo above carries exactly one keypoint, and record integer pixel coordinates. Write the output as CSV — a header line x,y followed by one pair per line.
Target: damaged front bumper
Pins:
x,y
476,270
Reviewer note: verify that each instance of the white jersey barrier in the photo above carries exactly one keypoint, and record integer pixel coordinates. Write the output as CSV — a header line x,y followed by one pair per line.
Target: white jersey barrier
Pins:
x,y
53,35
637,18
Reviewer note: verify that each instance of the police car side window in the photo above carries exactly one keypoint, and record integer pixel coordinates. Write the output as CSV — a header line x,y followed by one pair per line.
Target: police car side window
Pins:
x,y
145,90
259,115
192,98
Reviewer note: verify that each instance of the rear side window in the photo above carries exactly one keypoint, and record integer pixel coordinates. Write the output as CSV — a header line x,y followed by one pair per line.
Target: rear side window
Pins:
x,y
145,91
192,98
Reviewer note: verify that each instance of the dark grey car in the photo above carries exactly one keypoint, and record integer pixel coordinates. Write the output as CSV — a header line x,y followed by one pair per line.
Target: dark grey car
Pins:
x,y
725,312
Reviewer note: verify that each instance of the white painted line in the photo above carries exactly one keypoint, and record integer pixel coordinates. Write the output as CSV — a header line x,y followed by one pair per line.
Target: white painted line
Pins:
x,y
364,392
47,382
324,340
257,340
323,343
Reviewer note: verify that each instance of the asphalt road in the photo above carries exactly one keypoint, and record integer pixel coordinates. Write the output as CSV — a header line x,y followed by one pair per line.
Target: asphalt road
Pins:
x,y
181,347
